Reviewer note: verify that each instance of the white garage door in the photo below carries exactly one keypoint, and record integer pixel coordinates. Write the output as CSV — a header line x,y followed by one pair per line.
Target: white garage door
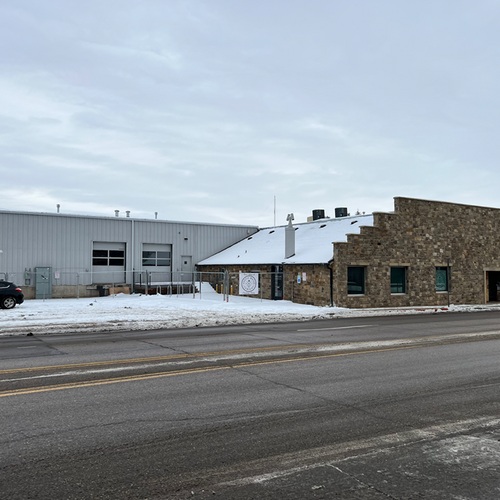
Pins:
x,y
108,262
157,260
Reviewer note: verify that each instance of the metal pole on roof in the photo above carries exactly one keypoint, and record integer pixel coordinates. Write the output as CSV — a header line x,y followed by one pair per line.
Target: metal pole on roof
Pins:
x,y
275,211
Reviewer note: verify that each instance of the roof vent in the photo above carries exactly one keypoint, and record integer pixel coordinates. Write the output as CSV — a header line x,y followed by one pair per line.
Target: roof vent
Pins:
x,y
341,212
117,213
319,213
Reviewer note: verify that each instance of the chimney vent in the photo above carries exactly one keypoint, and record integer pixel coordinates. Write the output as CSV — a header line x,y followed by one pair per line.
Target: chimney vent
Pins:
x,y
289,238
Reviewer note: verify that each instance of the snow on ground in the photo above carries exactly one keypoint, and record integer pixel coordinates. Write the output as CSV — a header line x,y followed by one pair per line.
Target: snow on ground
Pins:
x,y
151,312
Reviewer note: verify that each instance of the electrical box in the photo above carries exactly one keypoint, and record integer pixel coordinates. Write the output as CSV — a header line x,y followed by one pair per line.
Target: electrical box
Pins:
x,y
43,281
27,276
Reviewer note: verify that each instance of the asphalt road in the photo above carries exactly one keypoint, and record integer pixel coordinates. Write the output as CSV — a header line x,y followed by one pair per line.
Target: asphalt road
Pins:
x,y
370,408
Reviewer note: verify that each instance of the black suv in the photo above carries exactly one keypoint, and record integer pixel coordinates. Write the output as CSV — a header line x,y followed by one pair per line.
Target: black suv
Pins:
x,y
10,295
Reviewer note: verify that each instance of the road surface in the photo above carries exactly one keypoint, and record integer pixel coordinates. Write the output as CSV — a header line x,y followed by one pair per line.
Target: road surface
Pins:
x,y
368,408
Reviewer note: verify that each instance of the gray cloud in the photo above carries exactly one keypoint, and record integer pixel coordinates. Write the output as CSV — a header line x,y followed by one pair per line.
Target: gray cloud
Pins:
x,y
205,111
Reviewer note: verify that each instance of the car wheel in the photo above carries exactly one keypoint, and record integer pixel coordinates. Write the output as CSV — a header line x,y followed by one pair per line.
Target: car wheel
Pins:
x,y
8,302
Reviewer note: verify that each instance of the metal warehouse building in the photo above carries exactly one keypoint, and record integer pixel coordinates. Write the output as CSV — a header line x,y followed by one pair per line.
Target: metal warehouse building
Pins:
x,y
60,255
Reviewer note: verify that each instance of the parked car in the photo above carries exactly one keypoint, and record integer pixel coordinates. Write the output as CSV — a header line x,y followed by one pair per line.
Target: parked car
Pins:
x,y
10,295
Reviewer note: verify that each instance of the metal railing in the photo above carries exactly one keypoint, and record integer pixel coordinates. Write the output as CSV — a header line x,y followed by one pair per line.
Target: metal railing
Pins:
x,y
78,283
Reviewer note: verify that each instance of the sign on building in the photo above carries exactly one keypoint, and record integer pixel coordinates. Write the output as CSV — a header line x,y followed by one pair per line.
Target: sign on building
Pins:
x,y
249,283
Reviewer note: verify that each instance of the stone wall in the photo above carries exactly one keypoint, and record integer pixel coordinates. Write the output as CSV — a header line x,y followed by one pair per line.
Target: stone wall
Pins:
x,y
421,235
314,290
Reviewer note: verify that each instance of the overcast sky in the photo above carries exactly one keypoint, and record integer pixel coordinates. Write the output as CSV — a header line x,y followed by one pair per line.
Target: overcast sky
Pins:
x,y
204,110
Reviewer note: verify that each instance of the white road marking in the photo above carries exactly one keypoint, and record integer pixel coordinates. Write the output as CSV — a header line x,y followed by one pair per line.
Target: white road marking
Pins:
x,y
350,347
30,347
336,328
328,455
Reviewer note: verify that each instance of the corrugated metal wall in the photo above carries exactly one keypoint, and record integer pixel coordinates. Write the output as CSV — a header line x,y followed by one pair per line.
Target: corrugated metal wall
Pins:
x,y
64,242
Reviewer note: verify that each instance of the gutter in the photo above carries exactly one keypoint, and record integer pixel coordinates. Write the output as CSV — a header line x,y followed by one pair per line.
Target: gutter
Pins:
x,y
331,282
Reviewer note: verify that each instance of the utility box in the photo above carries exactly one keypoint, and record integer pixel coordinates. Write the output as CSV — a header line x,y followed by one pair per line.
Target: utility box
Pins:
x,y
43,282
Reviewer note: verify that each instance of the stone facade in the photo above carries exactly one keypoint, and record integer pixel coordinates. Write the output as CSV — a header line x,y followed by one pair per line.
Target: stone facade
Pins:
x,y
421,235
313,290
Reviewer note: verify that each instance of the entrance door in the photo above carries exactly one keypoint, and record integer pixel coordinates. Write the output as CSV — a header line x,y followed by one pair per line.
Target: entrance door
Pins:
x,y
493,284
186,268
277,283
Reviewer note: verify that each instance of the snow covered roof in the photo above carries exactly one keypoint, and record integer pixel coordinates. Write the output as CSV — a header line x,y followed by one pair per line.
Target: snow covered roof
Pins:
x,y
313,243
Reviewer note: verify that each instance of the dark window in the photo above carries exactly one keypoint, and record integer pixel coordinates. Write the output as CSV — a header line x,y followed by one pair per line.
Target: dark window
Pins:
x,y
108,258
355,280
441,279
398,279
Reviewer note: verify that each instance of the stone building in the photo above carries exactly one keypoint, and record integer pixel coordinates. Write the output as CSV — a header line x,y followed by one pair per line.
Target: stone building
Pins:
x,y
293,263
423,253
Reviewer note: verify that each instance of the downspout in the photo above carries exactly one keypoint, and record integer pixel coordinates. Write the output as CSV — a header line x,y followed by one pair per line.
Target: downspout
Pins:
x,y
331,282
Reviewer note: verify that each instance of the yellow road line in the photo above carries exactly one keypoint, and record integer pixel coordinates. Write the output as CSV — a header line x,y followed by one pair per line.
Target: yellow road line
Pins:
x,y
236,351
157,358
76,385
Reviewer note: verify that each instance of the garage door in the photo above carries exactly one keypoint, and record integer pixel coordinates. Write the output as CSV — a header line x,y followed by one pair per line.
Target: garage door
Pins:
x,y
108,262
157,261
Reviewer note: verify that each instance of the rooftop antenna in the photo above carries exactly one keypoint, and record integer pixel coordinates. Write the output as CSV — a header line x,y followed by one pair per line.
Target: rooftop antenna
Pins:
x,y
275,211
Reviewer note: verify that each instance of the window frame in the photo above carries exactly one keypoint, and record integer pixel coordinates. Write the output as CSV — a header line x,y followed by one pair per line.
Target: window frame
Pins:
x,y
355,283
103,258
404,282
153,260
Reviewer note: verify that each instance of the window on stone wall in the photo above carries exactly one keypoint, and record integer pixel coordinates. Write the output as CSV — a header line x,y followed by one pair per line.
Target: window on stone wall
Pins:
x,y
355,280
442,279
398,279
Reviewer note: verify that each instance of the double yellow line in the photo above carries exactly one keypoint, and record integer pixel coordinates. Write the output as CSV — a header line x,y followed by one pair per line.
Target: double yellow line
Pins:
x,y
291,357
173,373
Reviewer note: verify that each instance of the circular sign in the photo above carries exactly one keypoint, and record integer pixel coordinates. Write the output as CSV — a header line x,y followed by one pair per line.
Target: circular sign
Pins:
x,y
249,283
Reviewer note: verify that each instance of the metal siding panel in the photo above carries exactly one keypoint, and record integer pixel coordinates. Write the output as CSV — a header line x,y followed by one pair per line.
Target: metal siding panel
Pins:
x,y
65,242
